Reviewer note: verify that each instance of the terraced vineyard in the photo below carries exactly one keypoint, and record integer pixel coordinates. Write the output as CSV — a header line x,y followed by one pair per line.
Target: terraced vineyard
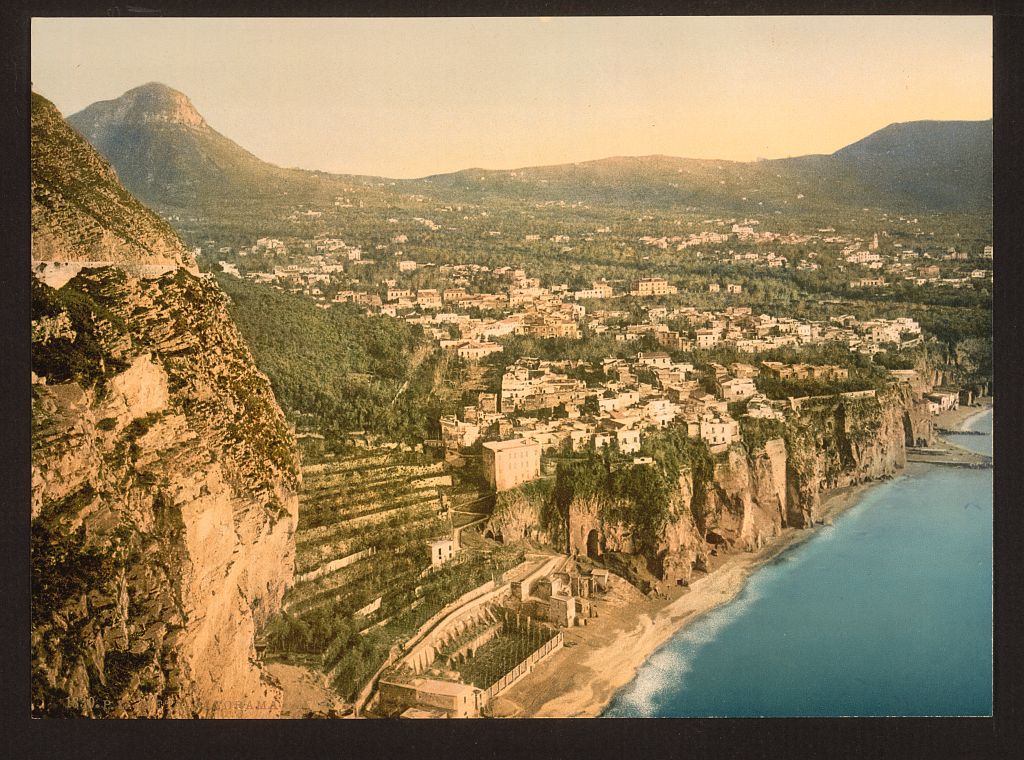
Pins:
x,y
363,581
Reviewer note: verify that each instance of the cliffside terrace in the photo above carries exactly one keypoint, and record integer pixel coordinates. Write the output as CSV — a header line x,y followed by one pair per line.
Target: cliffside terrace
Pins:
x,y
364,581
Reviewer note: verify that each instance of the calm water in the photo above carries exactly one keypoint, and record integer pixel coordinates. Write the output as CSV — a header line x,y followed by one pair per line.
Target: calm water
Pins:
x,y
889,612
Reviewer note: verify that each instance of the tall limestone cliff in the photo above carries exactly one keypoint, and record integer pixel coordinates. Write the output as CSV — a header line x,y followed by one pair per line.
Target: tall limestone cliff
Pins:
x,y
834,443
164,477
738,499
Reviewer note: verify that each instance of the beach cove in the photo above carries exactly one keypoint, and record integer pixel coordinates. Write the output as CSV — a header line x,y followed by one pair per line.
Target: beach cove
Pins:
x,y
638,657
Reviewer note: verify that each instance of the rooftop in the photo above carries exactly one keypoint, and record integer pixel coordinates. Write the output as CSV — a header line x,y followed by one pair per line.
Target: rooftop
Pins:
x,y
435,686
515,443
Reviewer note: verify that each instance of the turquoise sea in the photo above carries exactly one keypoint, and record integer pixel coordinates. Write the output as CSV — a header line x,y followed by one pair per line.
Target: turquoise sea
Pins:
x,y
888,612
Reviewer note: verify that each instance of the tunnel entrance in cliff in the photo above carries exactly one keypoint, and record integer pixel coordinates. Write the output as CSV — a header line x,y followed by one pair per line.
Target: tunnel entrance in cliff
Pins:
x,y
593,545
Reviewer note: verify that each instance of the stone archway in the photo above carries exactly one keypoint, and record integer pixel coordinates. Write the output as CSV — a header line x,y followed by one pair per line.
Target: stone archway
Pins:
x,y
593,545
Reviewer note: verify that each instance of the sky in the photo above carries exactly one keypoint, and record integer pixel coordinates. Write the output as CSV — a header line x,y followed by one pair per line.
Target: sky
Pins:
x,y
412,97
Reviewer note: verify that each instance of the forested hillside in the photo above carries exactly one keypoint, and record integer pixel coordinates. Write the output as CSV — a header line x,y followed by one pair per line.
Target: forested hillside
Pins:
x,y
337,370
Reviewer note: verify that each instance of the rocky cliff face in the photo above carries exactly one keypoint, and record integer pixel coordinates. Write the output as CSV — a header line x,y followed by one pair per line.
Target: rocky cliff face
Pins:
x,y
746,502
833,444
164,497
80,211
750,496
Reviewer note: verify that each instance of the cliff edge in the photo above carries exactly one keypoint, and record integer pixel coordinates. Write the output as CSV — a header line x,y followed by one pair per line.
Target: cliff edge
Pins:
x,y
164,476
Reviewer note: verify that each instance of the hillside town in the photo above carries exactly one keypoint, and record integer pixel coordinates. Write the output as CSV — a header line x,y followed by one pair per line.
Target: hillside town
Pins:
x,y
329,265
535,392
572,405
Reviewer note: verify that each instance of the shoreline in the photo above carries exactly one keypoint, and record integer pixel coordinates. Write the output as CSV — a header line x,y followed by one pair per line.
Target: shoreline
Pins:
x,y
959,418
582,679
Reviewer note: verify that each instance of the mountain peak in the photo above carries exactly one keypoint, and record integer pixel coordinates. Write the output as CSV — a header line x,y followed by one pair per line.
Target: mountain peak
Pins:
x,y
911,137
149,103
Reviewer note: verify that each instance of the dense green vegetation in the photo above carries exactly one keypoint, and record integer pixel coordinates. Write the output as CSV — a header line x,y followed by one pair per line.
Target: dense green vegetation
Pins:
x,y
639,497
675,454
755,432
337,370
63,568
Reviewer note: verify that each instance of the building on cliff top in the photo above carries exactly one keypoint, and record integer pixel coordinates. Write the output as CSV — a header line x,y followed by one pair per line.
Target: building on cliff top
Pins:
x,y
507,464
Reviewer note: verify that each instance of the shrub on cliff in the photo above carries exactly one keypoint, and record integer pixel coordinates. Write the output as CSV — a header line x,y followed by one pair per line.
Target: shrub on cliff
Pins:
x,y
756,432
639,497
68,340
580,479
675,454
639,501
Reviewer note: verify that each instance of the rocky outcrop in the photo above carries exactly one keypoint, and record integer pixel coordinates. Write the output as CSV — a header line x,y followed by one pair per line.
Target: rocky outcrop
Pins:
x,y
164,479
747,501
517,517
841,441
80,212
169,490
748,497
683,546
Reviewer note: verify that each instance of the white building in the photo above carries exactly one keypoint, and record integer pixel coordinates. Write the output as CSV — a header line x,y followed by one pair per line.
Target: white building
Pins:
x,y
719,430
507,464
441,551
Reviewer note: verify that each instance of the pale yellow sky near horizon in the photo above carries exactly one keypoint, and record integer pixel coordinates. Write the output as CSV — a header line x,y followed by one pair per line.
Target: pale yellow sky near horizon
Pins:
x,y
411,97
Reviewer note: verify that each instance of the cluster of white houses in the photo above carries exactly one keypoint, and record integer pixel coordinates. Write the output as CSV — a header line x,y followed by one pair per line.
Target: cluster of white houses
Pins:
x,y
635,396
645,393
750,334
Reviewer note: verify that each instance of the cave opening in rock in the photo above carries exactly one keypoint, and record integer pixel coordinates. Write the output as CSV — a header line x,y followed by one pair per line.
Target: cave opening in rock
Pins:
x,y
593,545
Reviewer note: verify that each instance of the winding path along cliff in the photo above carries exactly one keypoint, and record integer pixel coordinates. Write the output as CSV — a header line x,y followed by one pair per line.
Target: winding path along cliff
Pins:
x,y
164,478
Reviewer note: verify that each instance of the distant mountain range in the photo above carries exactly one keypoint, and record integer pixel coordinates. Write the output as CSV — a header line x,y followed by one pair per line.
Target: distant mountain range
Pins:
x,y
166,153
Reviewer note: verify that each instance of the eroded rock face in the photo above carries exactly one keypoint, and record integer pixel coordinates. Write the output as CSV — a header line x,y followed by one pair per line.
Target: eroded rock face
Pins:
x,y
164,476
842,443
515,518
164,508
585,518
683,547
752,495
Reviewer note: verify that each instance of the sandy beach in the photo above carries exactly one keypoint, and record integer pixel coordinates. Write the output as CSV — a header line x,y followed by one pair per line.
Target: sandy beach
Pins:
x,y
601,658
956,419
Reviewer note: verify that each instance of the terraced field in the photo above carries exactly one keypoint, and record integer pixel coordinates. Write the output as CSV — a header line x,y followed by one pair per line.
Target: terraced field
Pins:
x,y
363,581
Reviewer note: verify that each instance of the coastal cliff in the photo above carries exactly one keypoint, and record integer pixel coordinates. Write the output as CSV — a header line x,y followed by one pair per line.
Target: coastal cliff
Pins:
x,y
164,477
701,504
